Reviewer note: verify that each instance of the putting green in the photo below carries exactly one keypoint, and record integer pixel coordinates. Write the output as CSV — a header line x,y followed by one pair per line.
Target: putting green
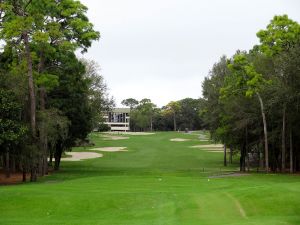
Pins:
x,y
156,182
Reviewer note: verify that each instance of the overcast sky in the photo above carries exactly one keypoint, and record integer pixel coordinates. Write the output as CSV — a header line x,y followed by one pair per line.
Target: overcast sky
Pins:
x,y
163,49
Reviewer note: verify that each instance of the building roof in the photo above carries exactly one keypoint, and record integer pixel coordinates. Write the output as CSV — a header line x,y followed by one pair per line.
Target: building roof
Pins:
x,y
121,110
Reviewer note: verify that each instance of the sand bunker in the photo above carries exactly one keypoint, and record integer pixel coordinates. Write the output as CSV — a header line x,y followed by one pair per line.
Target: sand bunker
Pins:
x,y
179,139
203,137
77,156
229,175
211,146
130,133
110,149
214,151
110,137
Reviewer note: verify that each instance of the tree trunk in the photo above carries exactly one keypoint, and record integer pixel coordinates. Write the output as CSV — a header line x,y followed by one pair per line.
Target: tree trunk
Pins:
x,y
24,175
247,149
2,163
43,130
283,147
13,163
33,173
230,155
30,85
225,158
43,135
265,132
57,156
248,162
151,123
242,158
291,152
24,172
174,118
7,169
51,158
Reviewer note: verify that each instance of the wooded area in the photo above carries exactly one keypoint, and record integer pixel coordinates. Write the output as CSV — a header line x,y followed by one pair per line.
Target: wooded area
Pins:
x,y
252,99
49,99
175,116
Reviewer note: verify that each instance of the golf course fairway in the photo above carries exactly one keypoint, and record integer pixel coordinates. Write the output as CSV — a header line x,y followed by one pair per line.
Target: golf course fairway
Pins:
x,y
152,181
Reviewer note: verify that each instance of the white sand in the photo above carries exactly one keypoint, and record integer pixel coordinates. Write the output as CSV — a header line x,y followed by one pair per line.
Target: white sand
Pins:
x,y
209,146
111,137
214,151
130,133
110,149
77,156
179,139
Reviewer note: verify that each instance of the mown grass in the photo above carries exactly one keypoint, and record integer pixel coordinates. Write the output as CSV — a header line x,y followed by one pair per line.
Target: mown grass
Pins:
x,y
157,182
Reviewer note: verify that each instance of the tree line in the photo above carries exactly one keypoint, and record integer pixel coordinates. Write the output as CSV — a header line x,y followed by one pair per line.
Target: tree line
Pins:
x,y
176,115
49,98
251,100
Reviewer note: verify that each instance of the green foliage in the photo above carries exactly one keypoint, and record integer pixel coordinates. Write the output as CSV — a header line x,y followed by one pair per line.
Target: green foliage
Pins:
x,y
12,130
98,97
71,97
49,81
281,34
141,116
172,107
130,102
243,78
40,38
271,72
103,127
56,124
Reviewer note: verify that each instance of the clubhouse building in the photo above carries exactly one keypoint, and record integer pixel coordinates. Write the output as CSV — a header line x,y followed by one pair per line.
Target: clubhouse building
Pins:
x,y
118,119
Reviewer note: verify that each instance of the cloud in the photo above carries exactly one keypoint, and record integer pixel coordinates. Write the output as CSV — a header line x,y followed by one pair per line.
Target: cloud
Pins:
x,y
163,49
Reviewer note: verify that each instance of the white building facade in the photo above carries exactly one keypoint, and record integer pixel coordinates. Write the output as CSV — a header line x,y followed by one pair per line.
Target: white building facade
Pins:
x,y
118,119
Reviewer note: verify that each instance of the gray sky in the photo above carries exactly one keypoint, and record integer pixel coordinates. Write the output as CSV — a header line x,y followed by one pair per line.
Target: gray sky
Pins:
x,y
163,49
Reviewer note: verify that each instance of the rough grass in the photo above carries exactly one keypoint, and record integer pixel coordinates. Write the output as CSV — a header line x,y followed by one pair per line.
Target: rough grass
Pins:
x,y
157,182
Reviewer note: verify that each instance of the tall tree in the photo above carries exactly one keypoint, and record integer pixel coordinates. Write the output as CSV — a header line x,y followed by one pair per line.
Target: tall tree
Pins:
x,y
281,35
173,108
99,99
130,102
245,78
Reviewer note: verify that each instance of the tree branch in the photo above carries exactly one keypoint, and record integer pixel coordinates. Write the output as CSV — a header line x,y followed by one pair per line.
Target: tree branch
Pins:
x,y
28,3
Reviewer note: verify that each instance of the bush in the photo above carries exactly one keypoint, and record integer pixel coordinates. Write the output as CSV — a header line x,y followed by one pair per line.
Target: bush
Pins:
x,y
103,127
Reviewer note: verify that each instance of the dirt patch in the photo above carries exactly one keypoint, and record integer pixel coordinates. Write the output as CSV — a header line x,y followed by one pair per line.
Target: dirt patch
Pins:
x,y
110,149
77,156
179,139
14,178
